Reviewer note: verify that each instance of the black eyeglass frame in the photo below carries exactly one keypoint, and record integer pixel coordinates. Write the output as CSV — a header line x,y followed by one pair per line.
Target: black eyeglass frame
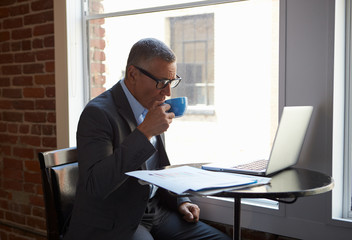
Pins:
x,y
164,82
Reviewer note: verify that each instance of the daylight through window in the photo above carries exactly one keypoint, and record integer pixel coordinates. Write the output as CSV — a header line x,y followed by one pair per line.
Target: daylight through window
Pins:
x,y
228,60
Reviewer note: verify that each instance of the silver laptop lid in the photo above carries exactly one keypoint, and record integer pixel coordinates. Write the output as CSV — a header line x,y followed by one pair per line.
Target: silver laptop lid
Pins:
x,y
289,138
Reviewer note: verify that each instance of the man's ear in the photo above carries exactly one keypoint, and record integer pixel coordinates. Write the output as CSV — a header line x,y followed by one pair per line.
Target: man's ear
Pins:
x,y
132,74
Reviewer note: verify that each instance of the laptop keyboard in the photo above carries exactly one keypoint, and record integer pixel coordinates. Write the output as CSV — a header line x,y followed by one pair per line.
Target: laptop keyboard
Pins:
x,y
254,166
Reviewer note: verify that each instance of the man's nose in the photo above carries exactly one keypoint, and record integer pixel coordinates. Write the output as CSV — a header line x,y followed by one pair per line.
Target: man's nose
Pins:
x,y
166,90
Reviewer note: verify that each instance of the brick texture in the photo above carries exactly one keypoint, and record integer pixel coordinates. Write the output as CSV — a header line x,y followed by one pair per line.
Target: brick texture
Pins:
x,y
27,113
96,50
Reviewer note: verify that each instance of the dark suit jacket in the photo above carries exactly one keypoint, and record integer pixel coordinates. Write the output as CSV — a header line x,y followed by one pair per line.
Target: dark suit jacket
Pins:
x,y
109,204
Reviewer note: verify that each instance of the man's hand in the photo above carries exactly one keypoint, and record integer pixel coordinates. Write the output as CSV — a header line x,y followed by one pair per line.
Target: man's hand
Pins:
x,y
157,120
189,211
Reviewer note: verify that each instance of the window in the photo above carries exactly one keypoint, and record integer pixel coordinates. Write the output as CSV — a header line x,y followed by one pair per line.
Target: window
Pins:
x,y
192,38
348,118
233,109
342,139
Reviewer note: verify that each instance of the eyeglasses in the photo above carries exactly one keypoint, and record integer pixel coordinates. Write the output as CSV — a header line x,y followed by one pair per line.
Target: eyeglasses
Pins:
x,y
161,83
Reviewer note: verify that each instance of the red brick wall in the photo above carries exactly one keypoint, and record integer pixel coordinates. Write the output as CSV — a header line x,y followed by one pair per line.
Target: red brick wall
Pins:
x,y
27,113
97,57
96,50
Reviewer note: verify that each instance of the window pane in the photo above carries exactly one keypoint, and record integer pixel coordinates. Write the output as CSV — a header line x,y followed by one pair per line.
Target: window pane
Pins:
x,y
108,6
192,39
228,60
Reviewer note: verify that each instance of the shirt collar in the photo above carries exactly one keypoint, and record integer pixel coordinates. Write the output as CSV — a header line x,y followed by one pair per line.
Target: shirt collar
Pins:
x,y
137,108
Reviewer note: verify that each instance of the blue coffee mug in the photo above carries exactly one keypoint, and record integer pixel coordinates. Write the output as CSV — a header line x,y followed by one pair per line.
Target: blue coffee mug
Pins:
x,y
178,105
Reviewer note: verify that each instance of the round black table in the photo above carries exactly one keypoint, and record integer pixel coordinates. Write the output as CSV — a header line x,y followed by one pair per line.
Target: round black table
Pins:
x,y
285,186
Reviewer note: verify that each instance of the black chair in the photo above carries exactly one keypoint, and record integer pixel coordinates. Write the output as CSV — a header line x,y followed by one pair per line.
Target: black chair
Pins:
x,y
59,171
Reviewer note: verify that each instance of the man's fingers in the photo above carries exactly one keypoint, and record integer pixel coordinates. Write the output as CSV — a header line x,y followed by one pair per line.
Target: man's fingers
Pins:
x,y
157,104
190,212
165,107
188,217
195,212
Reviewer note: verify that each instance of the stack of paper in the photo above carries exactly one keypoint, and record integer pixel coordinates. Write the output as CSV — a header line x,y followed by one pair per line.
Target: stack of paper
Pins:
x,y
185,179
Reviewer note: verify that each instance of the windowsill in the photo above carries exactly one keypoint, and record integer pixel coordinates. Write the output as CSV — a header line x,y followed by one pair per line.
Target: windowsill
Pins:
x,y
341,222
200,110
257,202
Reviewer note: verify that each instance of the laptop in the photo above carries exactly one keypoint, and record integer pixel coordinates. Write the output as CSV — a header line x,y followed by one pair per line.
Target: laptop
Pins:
x,y
286,148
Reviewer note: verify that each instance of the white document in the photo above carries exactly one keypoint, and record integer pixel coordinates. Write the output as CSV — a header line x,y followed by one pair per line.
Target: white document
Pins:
x,y
185,179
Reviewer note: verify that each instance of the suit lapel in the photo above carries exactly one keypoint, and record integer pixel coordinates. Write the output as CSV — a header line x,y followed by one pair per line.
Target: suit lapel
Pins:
x,y
124,108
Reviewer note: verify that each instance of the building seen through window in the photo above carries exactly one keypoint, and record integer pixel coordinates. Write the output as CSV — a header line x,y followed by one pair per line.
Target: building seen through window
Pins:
x,y
192,39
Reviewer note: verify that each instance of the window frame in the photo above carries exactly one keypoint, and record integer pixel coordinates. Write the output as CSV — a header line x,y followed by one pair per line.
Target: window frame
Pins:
x,y
347,193
69,56
342,127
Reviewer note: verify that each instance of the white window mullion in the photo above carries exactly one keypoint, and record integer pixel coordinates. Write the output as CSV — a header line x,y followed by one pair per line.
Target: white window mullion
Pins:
x,y
348,118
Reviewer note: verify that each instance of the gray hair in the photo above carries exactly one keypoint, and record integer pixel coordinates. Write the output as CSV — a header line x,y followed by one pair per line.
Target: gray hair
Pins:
x,y
148,48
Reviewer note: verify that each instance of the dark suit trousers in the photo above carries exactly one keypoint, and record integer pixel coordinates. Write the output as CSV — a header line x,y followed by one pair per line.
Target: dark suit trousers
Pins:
x,y
160,223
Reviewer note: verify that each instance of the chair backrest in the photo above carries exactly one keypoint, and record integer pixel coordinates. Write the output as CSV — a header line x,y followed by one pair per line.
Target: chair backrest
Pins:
x,y
59,171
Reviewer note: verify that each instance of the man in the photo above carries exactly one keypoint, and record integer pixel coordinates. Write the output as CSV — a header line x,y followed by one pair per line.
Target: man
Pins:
x,y
120,131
